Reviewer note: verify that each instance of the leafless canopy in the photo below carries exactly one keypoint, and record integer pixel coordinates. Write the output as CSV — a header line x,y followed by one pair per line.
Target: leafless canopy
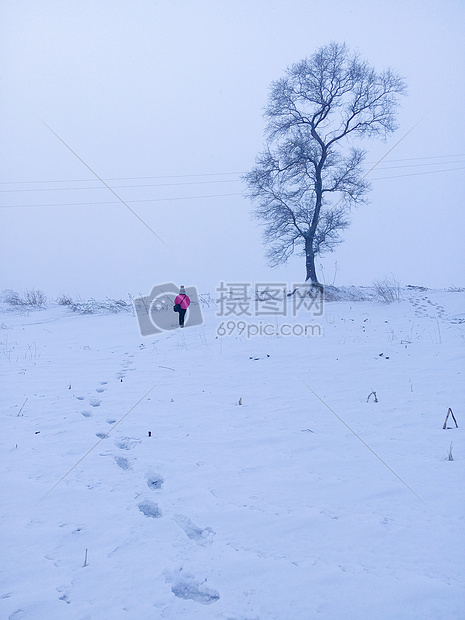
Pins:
x,y
308,176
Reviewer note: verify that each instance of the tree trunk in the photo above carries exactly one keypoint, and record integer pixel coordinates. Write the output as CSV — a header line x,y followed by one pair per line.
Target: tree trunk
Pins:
x,y
310,265
309,251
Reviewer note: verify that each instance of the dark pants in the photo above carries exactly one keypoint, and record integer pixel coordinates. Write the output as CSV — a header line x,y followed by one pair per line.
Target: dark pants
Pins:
x,y
182,314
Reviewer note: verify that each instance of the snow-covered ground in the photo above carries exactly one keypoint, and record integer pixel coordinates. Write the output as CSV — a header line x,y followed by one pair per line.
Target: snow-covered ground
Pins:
x,y
134,485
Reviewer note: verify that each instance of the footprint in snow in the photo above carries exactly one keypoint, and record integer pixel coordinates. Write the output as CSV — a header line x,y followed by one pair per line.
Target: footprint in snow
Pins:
x,y
122,462
86,414
65,596
100,389
150,509
155,482
127,443
202,536
185,586
95,402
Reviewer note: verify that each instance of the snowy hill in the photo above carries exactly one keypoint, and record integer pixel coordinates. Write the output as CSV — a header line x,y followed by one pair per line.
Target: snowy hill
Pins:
x,y
134,485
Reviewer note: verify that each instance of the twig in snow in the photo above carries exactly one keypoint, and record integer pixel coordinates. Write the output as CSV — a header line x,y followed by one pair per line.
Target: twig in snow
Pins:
x,y
449,456
449,412
19,412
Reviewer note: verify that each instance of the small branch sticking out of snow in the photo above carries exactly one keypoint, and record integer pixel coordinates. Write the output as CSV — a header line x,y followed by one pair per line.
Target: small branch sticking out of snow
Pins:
x,y
449,456
449,412
22,407
372,393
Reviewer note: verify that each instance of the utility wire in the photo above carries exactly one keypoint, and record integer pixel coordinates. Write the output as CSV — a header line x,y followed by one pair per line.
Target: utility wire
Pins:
x,y
422,158
95,203
390,150
212,174
113,202
434,163
168,176
217,195
414,174
61,189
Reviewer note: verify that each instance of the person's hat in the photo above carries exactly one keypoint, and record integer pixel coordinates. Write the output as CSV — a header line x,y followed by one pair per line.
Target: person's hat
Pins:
x,y
182,290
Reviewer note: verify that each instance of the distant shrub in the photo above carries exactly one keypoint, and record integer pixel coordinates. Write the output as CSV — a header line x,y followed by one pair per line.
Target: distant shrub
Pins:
x,y
64,300
413,287
33,298
205,300
387,291
92,306
36,298
346,293
10,297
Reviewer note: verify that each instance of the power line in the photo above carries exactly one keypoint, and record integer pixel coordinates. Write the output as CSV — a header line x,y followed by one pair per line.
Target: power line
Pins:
x,y
169,176
436,163
110,202
10,191
60,189
421,158
214,174
114,202
414,174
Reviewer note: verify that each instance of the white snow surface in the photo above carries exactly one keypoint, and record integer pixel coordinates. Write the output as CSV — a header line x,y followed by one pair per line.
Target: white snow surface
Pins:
x,y
304,501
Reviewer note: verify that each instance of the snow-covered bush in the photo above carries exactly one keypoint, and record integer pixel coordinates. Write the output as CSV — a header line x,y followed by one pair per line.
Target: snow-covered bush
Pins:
x,y
33,298
64,300
346,293
92,306
387,291
206,300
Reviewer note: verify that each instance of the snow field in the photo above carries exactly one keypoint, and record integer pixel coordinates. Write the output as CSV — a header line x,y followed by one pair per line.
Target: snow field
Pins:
x,y
270,509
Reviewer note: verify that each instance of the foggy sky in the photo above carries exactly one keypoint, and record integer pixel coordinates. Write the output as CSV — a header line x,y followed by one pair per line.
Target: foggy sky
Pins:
x,y
169,95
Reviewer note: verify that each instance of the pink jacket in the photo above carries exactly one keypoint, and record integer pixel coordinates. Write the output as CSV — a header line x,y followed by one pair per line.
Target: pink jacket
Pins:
x,y
183,301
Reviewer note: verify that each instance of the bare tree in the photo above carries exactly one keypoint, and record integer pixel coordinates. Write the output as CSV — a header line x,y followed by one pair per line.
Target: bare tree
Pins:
x,y
308,177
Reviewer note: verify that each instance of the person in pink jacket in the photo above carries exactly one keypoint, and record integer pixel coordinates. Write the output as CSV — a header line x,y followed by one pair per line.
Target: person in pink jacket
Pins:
x,y
183,301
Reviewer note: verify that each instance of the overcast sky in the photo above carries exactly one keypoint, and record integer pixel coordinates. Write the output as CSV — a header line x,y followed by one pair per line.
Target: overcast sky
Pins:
x,y
164,99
